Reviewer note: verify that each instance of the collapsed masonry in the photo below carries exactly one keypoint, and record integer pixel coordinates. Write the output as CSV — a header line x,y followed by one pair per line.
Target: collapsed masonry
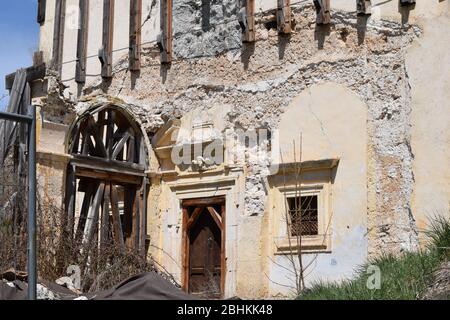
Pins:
x,y
347,87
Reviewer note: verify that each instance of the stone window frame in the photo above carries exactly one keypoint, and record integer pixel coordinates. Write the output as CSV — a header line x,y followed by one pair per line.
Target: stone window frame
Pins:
x,y
310,243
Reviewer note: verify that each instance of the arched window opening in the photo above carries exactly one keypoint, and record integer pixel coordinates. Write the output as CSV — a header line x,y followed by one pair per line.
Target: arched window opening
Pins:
x,y
106,188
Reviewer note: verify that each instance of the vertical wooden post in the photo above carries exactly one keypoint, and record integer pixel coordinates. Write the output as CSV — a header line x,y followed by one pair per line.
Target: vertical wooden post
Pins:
x,y
165,42
363,7
80,70
42,6
135,35
249,34
70,194
105,53
323,11
58,35
143,217
284,16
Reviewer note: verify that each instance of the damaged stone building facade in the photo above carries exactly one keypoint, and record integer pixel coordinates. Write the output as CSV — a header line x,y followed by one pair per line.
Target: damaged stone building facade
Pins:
x,y
200,122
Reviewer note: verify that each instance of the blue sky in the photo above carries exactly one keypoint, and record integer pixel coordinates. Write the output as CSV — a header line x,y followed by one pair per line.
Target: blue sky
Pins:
x,y
19,37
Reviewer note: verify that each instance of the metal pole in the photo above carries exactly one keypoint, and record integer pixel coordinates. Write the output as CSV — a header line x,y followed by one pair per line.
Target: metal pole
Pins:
x,y
32,270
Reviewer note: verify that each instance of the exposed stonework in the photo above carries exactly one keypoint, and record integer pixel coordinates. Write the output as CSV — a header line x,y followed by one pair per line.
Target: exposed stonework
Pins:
x,y
259,80
205,28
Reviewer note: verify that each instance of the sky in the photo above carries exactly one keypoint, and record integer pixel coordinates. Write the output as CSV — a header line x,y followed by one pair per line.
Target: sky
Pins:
x,y
19,38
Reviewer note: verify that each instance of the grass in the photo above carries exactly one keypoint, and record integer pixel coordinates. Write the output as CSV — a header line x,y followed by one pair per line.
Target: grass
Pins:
x,y
403,277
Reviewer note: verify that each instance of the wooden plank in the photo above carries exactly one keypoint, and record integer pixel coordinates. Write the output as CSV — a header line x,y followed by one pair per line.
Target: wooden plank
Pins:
x,y
136,221
117,223
119,147
194,217
98,137
135,35
110,133
107,39
104,175
131,158
104,226
203,201
284,16
85,209
108,165
143,218
80,68
70,198
42,4
92,217
33,73
215,216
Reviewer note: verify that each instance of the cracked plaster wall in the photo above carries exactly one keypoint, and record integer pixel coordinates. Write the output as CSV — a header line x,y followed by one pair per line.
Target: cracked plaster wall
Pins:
x,y
258,81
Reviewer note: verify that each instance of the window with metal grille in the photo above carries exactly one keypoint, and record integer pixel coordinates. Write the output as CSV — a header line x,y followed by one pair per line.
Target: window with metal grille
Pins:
x,y
303,212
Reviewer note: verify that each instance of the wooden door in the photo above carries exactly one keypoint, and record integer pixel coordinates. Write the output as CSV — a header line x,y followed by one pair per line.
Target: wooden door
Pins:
x,y
204,248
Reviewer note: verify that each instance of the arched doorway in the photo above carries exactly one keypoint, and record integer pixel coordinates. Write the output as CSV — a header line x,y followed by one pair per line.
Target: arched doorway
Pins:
x,y
106,184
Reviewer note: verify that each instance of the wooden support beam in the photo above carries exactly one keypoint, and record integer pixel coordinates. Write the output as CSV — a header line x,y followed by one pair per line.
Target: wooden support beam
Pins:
x,y
105,53
165,38
105,175
117,223
136,221
323,11
80,69
195,215
32,74
108,165
129,199
42,4
135,35
363,7
70,194
203,201
89,192
143,218
104,226
217,218
92,217
284,16
249,32
58,35
119,147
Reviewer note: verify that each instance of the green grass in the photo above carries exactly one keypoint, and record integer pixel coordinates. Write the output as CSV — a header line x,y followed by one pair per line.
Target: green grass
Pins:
x,y
403,277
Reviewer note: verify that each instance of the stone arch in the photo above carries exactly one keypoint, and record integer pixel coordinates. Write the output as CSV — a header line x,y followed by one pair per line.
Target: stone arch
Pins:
x,y
106,178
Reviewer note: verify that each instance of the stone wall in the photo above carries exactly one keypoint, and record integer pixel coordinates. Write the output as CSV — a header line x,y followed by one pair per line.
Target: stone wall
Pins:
x,y
256,82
